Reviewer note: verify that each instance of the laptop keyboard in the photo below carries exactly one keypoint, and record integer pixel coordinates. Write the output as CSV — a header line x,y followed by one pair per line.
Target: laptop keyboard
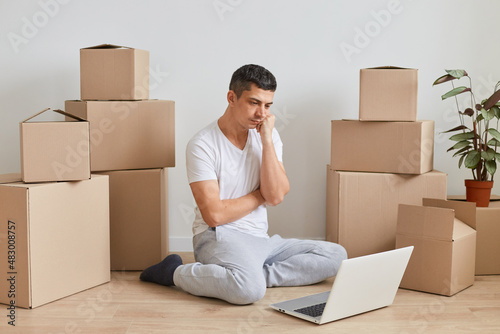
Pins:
x,y
313,311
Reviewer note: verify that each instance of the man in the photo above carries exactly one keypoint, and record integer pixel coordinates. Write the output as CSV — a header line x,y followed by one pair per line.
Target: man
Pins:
x,y
235,171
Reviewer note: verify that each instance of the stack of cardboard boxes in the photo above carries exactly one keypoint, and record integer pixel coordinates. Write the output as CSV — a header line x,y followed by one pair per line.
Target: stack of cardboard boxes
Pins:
x,y
92,193
132,140
382,192
379,161
54,233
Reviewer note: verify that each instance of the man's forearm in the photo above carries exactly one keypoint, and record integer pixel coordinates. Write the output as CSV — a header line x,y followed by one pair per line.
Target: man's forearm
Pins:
x,y
274,183
234,209
230,210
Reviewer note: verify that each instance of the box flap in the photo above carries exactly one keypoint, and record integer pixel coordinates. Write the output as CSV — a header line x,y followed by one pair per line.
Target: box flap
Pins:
x,y
461,230
389,67
107,46
57,111
425,222
465,211
10,178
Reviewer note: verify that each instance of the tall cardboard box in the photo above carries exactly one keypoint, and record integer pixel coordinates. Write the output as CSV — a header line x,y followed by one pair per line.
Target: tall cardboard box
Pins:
x,y
57,238
362,208
139,218
54,151
128,134
488,235
112,72
443,259
388,94
384,147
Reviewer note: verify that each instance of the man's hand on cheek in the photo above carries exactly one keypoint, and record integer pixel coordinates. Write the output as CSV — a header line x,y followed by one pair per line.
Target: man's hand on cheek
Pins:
x,y
265,128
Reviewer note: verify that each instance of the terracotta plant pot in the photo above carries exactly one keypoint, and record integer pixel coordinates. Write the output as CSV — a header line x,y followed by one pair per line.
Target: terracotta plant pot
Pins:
x,y
479,192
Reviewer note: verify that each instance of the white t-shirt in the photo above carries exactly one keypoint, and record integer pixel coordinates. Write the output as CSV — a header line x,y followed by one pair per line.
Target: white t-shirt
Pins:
x,y
211,156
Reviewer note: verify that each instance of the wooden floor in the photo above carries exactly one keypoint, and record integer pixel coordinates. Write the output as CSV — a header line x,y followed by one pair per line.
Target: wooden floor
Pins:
x,y
127,305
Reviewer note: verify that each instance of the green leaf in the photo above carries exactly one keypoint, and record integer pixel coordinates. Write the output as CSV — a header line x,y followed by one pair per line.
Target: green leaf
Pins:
x,y
472,159
494,133
496,110
460,161
443,78
462,136
455,91
458,145
460,127
479,118
493,142
463,150
456,73
497,156
491,166
488,155
488,114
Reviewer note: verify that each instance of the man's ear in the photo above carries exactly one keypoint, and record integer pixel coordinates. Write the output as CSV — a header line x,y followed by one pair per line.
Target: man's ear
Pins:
x,y
231,97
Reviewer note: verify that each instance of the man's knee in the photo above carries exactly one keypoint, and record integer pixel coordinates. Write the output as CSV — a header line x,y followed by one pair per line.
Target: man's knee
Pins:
x,y
333,249
334,253
248,293
340,251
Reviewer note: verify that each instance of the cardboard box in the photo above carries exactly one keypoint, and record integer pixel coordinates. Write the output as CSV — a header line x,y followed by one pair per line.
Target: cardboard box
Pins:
x,y
488,236
388,94
55,151
384,147
362,208
139,218
112,72
129,135
57,238
443,259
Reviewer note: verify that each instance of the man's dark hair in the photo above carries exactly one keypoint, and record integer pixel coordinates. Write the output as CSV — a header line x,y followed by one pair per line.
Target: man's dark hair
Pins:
x,y
246,75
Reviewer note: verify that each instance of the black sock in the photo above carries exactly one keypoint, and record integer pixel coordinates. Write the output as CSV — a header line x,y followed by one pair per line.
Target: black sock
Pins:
x,y
163,272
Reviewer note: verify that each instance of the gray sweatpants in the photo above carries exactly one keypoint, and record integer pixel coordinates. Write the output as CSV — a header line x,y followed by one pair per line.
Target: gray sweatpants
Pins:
x,y
238,267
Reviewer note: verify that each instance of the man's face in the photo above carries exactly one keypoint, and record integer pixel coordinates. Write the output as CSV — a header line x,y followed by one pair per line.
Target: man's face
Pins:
x,y
252,107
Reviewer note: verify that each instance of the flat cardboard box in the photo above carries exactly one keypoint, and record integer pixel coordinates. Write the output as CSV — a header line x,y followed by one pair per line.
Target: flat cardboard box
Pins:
x,y
383,147
488,236
112,72
443,259
139,218
128,134
54,151
362,208
388,94
58,235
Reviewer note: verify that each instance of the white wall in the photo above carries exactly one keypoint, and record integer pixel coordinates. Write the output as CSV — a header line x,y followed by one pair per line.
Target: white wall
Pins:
x,y
196,45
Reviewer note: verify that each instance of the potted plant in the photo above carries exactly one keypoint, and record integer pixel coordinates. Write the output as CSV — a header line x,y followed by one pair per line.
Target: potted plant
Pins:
x,y
478,138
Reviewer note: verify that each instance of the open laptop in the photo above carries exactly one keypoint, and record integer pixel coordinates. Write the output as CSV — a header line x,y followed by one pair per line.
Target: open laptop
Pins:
x,y
362,284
